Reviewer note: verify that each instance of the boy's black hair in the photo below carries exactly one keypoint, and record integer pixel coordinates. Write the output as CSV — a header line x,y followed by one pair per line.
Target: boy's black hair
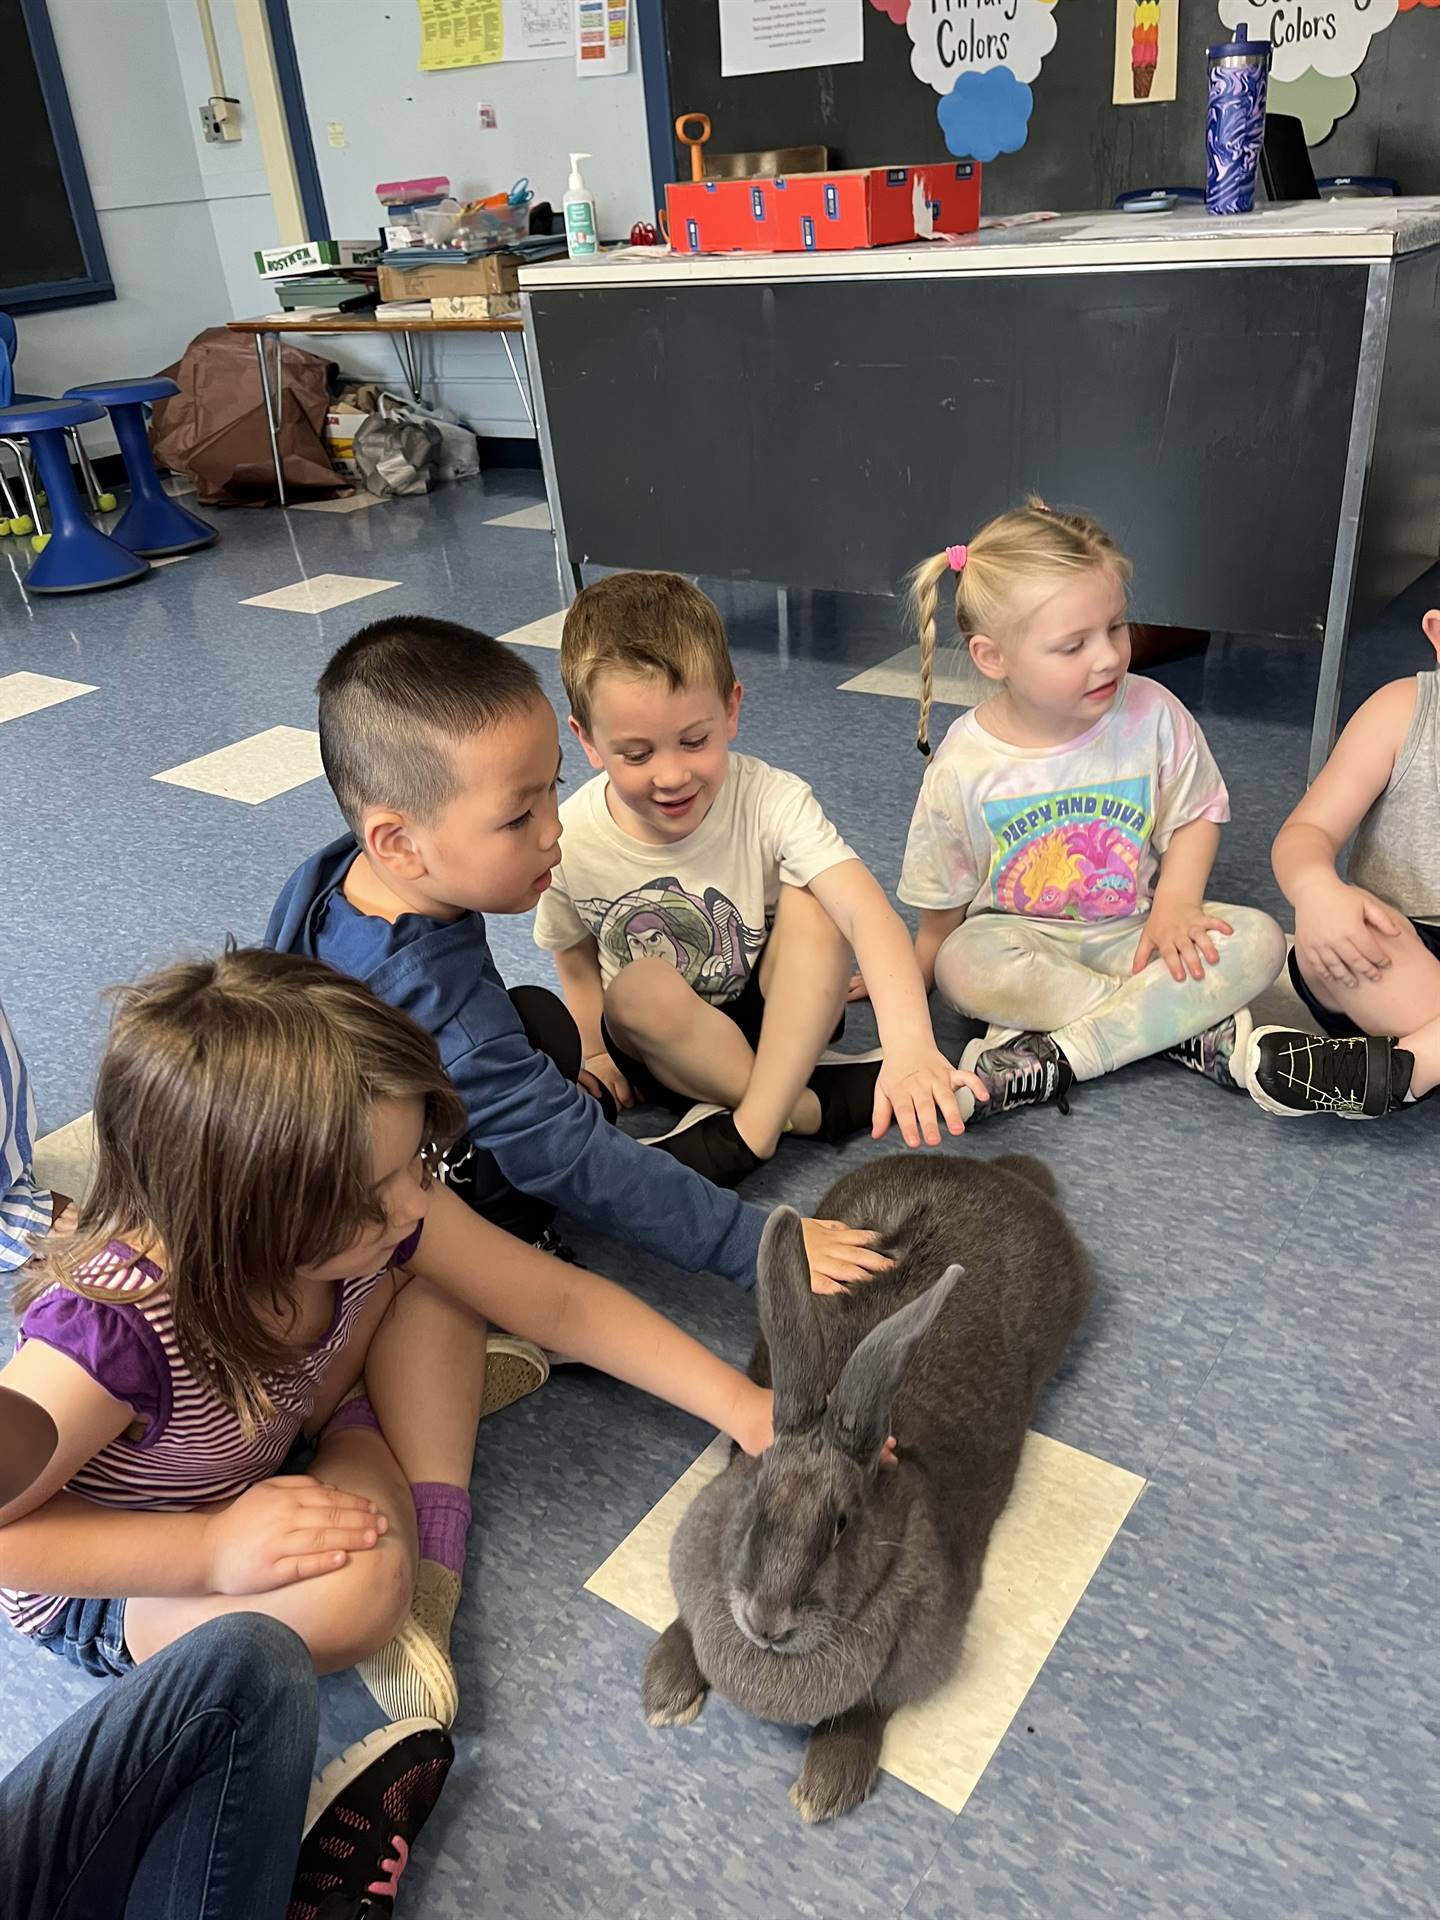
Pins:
x,y
396,694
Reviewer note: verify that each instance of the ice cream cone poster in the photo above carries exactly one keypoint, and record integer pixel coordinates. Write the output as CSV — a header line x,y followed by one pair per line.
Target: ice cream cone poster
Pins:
x,y
1147,34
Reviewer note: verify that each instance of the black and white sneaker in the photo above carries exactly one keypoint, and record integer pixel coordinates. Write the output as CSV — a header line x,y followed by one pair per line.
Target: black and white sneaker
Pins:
x,y
548,1241
1027,1070
1219,1053
1292,1073
705,1140
844,1084
365,1812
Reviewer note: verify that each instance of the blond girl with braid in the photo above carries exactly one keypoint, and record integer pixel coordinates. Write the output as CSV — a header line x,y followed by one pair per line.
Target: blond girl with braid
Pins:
x,y
1062,843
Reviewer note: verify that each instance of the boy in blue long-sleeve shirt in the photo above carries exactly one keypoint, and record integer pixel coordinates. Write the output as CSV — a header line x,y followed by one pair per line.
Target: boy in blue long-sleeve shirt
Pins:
x,y
444,757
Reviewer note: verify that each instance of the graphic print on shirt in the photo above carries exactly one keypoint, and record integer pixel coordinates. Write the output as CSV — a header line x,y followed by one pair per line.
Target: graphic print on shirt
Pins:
x,y
1072,855
703,936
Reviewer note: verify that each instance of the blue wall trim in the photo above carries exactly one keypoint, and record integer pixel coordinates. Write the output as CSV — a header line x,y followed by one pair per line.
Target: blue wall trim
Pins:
x,y
302,144
96,284
659,112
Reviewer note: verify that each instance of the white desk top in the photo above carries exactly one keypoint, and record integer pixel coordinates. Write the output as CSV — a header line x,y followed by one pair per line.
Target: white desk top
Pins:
x,y
1316,232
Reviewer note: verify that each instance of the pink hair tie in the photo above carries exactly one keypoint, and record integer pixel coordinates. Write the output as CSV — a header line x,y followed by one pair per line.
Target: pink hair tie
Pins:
x,y
956,558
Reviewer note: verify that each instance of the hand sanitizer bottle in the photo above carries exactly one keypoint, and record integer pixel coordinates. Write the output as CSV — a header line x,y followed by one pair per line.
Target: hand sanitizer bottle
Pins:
x,y
579,214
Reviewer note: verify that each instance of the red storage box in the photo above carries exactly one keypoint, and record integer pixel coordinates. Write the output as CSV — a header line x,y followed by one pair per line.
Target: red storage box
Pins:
x,y
822,212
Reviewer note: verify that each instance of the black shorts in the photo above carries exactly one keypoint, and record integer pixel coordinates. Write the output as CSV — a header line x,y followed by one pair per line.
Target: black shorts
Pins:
x,y
1338,1025
747,1010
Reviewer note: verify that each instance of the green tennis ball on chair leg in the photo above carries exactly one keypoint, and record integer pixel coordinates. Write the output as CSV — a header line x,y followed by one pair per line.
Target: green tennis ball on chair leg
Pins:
x,y
39,541
107,503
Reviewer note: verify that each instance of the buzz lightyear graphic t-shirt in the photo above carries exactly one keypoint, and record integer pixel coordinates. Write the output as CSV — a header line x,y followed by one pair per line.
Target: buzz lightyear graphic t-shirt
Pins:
x,y
1073,832
703,904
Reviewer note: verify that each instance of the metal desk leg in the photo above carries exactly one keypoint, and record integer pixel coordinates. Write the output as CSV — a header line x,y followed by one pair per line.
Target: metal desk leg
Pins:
x,y
567,569
518,378
1370,367
404,344
270,414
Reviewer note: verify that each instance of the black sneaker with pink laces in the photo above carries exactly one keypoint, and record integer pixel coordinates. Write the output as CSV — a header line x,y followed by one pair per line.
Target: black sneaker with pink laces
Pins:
x,y
365,1811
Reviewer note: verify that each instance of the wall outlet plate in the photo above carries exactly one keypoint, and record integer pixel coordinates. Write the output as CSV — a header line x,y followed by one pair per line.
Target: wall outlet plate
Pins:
x,y
220,119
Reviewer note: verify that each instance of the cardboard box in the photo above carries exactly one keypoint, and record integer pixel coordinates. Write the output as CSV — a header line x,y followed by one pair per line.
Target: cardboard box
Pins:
x,y
491,273
273,263
341,425
475,306
823,212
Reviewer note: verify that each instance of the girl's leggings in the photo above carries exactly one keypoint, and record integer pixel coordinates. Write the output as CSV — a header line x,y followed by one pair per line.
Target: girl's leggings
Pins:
x,y
1072,980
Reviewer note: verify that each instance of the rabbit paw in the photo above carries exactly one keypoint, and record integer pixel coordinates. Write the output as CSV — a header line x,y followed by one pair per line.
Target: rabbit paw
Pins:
x,y
841,1761
675,1688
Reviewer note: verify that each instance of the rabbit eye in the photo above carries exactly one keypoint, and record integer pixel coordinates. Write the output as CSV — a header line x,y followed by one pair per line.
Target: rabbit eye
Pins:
x,y
842,1520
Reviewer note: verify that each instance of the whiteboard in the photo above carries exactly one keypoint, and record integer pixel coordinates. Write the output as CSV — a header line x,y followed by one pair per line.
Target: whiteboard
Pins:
x,y
359,68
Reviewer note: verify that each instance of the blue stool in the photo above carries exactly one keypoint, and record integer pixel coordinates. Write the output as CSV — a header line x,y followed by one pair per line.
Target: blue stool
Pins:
x,y
153,523
75,556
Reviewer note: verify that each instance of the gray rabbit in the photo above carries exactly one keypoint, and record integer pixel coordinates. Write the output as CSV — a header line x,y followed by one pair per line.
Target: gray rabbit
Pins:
x,y
815,1587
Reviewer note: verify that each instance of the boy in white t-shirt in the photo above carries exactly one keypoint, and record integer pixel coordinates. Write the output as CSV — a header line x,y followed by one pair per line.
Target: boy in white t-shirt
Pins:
x,y
704,910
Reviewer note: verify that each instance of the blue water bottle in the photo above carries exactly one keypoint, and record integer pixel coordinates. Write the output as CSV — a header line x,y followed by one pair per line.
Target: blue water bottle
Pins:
x,y
1235,121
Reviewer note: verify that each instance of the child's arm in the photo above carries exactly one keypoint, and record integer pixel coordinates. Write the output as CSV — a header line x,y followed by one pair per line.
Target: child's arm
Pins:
x,y
579,971
27,1441
285,1529
580,1314
936,926
915,1077
1178,927
1340,930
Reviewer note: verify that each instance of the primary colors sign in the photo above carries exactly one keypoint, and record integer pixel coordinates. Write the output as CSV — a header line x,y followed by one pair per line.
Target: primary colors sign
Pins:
x,y
1332,36
980,57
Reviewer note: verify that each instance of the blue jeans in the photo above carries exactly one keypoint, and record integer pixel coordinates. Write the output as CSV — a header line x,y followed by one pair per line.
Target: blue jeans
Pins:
x,y
177,1793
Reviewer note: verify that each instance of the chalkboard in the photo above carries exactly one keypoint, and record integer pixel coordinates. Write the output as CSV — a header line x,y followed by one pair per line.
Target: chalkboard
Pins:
x,y
51,254
1082,150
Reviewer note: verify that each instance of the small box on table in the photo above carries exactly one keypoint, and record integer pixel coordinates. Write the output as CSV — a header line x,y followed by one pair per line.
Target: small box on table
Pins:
x,y
824,212
491,273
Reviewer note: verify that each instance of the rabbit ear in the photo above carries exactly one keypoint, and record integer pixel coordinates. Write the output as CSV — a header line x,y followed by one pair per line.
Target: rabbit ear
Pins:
x,y
788,1321
859,1416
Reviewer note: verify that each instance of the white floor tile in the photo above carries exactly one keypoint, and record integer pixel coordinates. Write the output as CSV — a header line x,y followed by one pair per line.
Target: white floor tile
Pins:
x,y
537,518
65,1159
540,633
1066,1509
958,681
22,693
346,503
253,770
320,593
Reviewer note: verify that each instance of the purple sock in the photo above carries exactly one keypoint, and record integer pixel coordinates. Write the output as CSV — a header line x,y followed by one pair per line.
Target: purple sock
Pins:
x,y
442,1519
352,1413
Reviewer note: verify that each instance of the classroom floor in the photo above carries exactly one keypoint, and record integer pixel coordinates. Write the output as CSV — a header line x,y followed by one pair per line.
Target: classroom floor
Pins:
x,y
1238,1718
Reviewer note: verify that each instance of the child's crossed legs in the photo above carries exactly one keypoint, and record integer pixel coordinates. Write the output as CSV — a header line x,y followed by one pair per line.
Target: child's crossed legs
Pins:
x,y
422,1358
699,1051
1073,980
1401,999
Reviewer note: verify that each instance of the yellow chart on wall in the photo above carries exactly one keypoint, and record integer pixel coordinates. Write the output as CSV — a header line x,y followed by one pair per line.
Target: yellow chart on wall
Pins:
x,y
460,33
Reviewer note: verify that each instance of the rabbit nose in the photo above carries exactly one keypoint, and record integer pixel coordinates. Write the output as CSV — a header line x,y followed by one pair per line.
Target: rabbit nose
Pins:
x,y
767,1624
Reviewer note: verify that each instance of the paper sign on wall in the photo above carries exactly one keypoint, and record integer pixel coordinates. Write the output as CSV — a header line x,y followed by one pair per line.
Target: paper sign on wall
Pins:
x,y
980,56
777,36
477,33
602,38
1332,36
1147,42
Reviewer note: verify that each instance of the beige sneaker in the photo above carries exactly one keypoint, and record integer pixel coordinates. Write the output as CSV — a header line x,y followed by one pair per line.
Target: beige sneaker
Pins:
x,y
413,1676
513,1368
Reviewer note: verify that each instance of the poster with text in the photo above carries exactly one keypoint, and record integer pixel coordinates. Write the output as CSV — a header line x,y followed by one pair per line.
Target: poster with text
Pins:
x,y
980,57
777,36
1332,36
602,38
1147,44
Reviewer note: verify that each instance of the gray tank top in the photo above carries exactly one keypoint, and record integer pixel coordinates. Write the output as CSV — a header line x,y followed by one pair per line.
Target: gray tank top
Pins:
x,y
1396,851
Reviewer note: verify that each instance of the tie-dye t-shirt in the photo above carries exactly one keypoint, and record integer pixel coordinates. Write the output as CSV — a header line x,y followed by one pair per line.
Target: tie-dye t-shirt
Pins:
x,y
1061,833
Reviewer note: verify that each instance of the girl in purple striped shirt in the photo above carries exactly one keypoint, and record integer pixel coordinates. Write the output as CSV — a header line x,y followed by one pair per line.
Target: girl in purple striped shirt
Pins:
x,y
263,1238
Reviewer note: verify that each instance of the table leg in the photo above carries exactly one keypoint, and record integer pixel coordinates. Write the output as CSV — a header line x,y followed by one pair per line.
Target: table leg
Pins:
x,y
270,415
1364,411
567,571
519,380
404,347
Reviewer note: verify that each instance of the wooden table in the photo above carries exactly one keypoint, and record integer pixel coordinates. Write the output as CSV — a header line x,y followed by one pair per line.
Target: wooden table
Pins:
x,y
402,335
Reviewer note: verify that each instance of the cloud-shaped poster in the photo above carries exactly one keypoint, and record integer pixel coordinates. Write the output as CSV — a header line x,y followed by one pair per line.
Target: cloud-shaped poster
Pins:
x,y
985,114
951,37
1332,36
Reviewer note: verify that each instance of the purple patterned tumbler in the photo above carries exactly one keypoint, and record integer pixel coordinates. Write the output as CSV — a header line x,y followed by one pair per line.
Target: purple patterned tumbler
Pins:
x,y
1235,121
